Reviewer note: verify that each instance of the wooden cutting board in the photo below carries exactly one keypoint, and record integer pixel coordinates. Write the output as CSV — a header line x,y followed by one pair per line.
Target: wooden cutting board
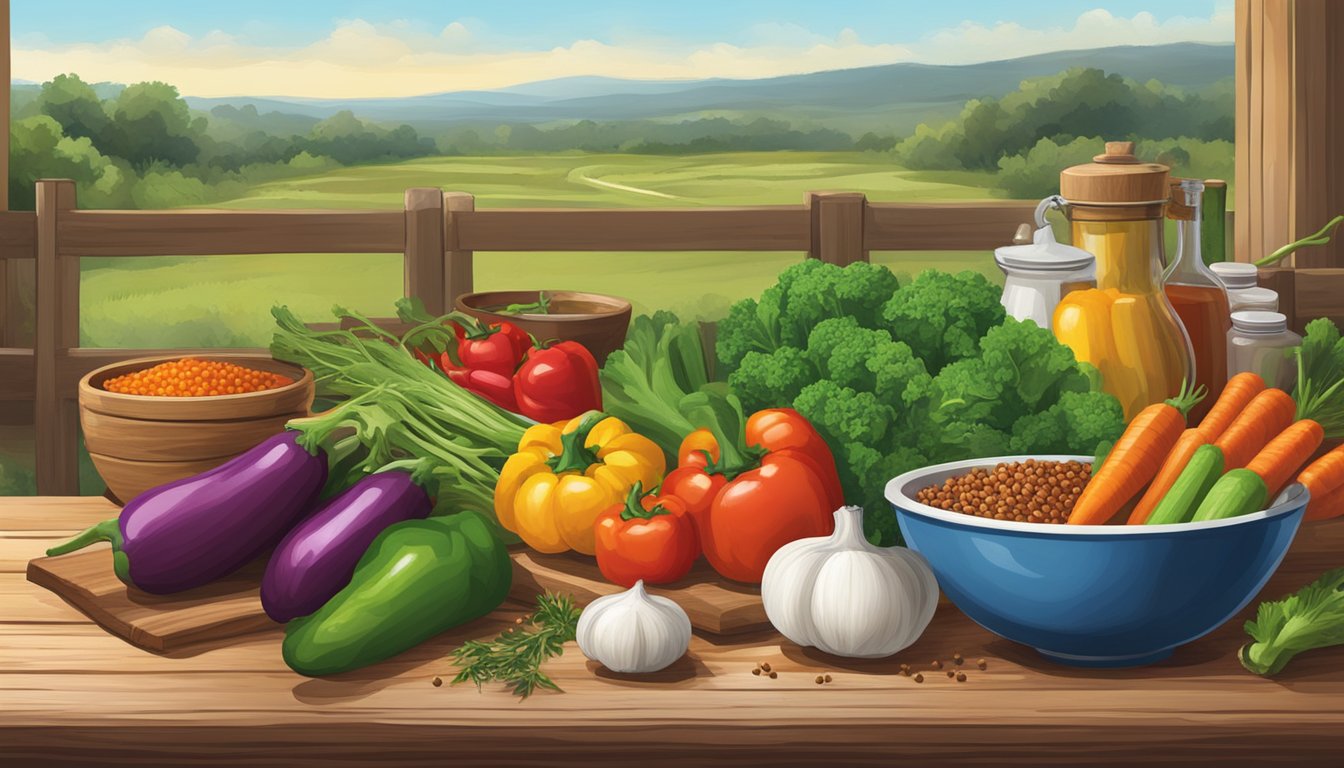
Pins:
x,y
713,603
161,623
232,606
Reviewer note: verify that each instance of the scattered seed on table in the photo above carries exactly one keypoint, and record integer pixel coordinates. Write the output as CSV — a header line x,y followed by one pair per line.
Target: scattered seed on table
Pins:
x,y
905,667
919,678
981,664
437,681
957,658
961,677
756,671
937,664
765,666
950,673
774,675
828,678
820,679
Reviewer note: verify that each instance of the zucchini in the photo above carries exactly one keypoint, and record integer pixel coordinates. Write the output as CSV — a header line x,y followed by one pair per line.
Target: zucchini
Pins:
x,y
1239,492
1191,487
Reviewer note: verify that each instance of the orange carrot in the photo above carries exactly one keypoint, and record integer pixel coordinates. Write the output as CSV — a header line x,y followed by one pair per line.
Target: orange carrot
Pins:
x,y
1134,460
1238,393
1268,414
1324,477
1284,455
1171,469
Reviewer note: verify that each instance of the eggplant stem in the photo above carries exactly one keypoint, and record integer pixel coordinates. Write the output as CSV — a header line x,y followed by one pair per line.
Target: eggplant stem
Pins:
x,y
108,530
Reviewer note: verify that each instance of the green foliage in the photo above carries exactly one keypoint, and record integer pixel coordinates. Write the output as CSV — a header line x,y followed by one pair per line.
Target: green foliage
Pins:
x,y
1079,102
1035,173
942,315
934,373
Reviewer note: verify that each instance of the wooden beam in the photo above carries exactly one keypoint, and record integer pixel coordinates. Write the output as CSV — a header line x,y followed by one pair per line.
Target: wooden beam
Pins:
x,y
935,227
765,228
1290,159
57,425
16,375
6,78
212,233
459,270
422,266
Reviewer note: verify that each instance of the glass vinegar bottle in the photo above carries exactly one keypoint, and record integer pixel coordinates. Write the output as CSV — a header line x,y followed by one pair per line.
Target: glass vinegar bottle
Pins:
x,y
1198,297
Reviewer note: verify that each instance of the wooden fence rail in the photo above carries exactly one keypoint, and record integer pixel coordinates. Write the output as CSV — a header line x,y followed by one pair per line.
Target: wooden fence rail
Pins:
x,y
437,233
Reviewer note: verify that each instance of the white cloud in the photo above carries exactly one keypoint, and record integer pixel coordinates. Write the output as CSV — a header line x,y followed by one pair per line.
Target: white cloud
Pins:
x,y
358,58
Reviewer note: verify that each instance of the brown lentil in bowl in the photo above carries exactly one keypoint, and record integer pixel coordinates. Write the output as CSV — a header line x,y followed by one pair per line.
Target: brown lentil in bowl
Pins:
x,y
1028,491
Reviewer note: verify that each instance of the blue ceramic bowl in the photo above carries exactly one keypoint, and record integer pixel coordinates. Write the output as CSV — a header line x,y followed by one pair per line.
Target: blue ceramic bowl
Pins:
x,y
1094,595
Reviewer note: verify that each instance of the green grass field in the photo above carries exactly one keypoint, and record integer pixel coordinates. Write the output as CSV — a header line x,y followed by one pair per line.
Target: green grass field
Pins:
x,y
224,301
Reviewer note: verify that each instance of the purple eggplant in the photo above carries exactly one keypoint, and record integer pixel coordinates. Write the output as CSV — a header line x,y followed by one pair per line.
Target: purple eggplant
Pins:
x,y
193,531
317,559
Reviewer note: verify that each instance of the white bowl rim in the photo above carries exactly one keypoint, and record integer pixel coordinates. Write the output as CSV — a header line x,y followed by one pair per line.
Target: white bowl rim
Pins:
x,y
1294,496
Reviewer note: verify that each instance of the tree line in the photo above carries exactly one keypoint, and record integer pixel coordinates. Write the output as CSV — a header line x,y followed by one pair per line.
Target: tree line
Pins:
x,y
142,146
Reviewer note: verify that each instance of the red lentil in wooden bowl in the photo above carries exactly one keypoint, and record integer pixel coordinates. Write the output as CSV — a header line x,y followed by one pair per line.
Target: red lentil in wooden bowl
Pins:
x,y
153,420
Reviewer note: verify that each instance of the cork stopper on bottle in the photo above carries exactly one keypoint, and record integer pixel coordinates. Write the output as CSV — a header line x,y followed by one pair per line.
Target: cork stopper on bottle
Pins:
x,y
1116,186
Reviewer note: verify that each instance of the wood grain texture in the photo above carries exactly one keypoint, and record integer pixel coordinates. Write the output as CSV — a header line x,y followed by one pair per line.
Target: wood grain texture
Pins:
x,y
227,608
16,374
151,441
840,221
917,227
57,467
72,693
221,232
713,603
458,275
423,257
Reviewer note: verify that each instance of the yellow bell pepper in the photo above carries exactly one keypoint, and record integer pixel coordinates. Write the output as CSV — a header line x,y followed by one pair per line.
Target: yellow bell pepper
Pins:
x,y
565,474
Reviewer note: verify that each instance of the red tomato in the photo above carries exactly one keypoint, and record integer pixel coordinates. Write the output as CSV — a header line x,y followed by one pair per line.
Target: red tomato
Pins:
x,y
650,538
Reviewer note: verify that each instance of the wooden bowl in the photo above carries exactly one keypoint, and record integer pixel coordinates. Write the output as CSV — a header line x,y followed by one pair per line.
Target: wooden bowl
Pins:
x,y
139,442
597,321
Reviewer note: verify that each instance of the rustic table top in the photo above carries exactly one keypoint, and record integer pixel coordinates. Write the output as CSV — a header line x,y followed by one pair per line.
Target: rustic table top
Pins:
x,y
71,692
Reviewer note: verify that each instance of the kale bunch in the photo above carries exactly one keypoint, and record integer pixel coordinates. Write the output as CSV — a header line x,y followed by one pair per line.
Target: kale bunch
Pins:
x,y
896,377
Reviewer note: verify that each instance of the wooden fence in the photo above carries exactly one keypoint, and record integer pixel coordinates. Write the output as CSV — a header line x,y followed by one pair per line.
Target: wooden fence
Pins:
x,y
437,232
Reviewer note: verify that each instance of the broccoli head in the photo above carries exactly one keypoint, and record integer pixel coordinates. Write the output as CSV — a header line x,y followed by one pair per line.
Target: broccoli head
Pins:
x,y
843,415
817,290
1031,365
771,380
864,472
749,327
942,316
867,360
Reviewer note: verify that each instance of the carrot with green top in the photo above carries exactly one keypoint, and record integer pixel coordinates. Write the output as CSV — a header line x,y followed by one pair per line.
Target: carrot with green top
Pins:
x,y
1268,414
1238,393
1135,459
1324,478
1284,455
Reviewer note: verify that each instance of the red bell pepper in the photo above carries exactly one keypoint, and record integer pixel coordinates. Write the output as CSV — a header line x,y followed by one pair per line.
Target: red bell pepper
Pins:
x,y
557,382
494,387
646,537
497,347
787,490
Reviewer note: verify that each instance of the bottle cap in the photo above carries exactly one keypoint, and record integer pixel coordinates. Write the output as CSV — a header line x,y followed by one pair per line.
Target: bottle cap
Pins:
x,y
1257,299
1236,274
1043,254
1255,321
1116,186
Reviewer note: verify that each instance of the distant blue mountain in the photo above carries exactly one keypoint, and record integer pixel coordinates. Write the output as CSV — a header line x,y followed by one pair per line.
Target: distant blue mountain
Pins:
x,y
889,89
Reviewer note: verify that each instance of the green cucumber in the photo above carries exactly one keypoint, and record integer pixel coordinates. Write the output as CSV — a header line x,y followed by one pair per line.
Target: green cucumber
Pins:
x,y
1191,487
1239,492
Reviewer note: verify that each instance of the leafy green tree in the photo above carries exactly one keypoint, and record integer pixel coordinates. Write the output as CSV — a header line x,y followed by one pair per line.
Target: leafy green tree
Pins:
x,y
73,103
152,124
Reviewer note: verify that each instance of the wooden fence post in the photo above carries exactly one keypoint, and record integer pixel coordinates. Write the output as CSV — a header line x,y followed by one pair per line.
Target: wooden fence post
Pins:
x,y
56,330
423,265
837,232
458,277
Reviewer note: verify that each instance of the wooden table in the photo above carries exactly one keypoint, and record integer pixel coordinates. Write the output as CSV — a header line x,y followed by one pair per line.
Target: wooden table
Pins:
x,y
70,692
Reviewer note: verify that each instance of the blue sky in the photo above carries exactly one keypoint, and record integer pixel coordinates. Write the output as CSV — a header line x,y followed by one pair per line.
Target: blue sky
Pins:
x,y
395,47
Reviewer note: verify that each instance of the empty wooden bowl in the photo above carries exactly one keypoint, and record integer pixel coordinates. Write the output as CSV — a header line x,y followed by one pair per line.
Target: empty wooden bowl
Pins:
x,y
138,442
595,320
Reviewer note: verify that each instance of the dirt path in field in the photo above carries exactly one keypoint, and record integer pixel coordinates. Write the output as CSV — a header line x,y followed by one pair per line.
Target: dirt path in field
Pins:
x,y
625,188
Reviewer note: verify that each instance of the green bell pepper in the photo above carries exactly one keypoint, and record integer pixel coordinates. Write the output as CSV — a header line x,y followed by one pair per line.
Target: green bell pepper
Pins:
x,y
418,578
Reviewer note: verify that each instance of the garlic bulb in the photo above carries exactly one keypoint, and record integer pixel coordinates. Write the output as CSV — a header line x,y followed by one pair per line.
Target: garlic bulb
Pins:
x,y
847,597
633,631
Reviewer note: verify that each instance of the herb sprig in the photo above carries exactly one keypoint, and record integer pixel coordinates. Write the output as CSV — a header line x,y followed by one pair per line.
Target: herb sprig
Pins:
x,y
515,656
1311,618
